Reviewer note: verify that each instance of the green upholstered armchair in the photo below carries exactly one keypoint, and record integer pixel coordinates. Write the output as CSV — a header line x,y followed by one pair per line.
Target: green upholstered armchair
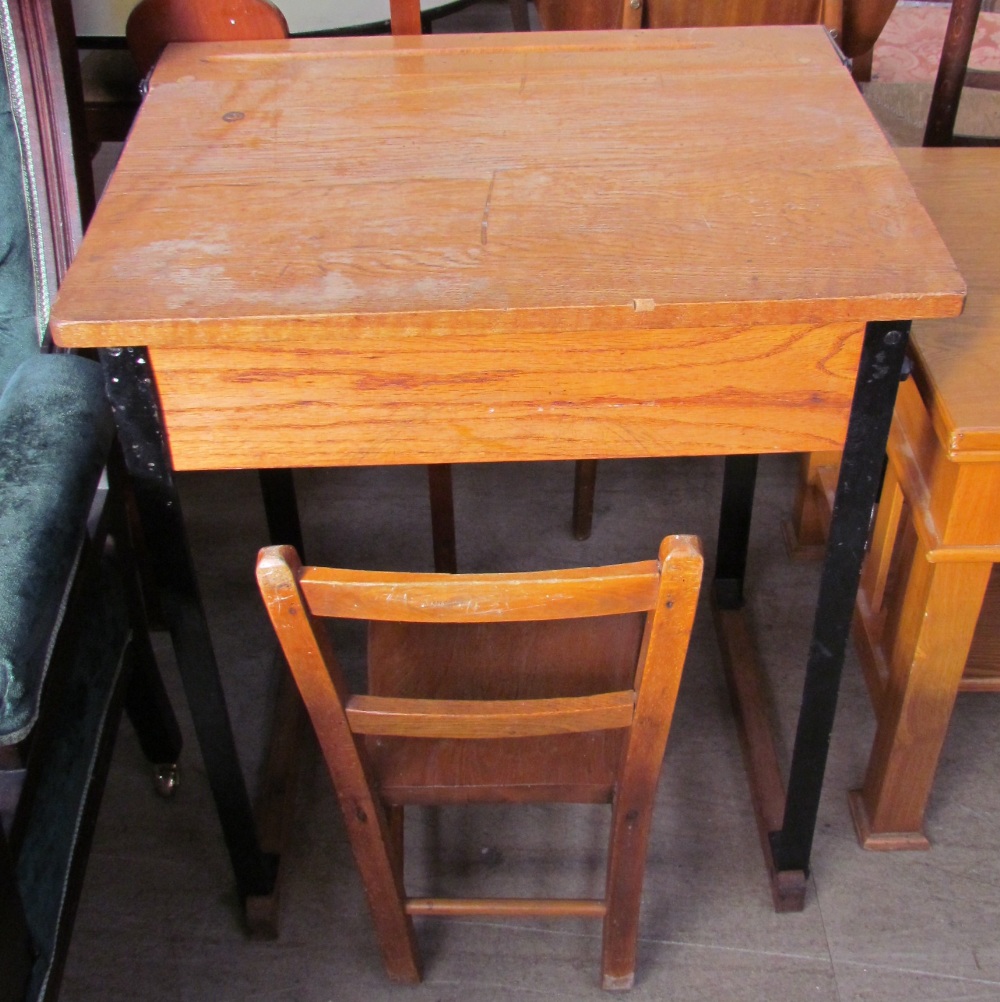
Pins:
x,y
73,644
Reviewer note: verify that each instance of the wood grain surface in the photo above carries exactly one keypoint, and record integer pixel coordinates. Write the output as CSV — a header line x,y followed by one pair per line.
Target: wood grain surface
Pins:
x,y
461,248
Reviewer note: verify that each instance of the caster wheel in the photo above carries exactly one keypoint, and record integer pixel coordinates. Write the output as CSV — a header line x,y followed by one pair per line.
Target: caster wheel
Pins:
x,y
166,779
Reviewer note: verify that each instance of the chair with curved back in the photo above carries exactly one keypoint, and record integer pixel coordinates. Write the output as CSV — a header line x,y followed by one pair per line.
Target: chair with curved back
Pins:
x,y
553,686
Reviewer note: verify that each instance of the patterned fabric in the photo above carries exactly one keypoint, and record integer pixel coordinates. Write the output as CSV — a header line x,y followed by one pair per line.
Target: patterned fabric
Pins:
x,y
909,48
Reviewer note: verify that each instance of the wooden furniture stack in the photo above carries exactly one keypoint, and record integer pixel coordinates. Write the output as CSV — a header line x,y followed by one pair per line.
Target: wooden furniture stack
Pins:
x,y
937,535
928,608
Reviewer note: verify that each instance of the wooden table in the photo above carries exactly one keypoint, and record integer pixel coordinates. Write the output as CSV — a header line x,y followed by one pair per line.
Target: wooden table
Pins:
x,y
917,630
512,247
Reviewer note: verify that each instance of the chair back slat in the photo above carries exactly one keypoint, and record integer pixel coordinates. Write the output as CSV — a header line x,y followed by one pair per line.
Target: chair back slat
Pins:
x,y
405,17
495,718
470,598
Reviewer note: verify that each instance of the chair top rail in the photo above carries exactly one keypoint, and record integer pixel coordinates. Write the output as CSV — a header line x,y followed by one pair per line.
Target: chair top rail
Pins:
x,y
603,591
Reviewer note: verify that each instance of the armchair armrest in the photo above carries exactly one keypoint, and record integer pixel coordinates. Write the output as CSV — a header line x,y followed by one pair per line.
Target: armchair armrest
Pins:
x,y
55,434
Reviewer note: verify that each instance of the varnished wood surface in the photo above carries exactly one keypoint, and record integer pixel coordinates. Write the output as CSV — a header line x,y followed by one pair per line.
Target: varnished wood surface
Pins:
x,y
960,358
638,180
468,248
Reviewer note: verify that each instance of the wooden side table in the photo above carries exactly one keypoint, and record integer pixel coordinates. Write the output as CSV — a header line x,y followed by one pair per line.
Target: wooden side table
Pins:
x,y
937,534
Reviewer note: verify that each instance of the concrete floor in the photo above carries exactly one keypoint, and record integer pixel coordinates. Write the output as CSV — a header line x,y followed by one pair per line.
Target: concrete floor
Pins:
x,y
159,917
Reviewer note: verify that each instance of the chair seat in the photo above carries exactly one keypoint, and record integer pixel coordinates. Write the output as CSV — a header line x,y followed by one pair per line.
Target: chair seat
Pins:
x,y
55,434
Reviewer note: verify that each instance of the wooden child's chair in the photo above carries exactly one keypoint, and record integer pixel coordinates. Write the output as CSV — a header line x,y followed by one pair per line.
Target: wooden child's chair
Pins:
x,y
496,688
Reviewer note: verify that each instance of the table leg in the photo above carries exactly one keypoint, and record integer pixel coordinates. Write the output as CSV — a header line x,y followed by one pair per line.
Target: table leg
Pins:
x,y
281,509
739,481
786,819
751,698
279,776
879,370
134,400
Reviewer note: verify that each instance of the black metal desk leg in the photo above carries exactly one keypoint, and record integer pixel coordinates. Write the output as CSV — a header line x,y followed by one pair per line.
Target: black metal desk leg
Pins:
x,y
738,484
881,364
281,509
132,392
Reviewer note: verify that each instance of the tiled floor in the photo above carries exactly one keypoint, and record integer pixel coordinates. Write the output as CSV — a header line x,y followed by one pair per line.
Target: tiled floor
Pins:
x,y
159,919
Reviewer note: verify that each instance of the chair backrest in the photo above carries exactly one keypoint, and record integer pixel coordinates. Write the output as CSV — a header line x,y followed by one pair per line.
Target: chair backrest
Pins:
x,y
494,684
153,24
561,15
296,596
404,17
41,177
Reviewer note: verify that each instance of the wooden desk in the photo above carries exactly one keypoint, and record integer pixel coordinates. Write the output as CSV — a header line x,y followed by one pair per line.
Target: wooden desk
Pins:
x,y
938,527
500,247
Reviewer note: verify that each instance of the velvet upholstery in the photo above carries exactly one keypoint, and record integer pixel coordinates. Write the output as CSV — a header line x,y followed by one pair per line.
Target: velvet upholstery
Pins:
x,y
55,434
55,825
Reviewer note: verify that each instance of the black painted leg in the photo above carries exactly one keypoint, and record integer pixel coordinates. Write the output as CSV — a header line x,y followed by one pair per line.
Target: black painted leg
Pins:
x,y
584,491
881,364
739,481
281,509
133,396
146,700
442,498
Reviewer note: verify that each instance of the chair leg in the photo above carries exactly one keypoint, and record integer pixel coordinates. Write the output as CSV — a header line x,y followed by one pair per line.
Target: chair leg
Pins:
x,y
584,485
626,867
442,517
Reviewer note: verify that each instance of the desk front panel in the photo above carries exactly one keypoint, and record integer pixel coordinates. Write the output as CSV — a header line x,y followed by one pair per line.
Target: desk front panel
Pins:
x,y
425,398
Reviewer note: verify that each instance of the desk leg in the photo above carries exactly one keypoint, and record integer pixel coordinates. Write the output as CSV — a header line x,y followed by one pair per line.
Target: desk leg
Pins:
x,y
280,774
134,400
751,699
857,492
739,481
786,820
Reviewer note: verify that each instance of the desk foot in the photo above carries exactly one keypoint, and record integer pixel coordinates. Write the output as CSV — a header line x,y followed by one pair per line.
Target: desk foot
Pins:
x,y
754,719
262,913
881,841
788,889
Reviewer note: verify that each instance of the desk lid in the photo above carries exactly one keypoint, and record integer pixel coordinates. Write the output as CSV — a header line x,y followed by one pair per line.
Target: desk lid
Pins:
x,y
959,359
537,182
